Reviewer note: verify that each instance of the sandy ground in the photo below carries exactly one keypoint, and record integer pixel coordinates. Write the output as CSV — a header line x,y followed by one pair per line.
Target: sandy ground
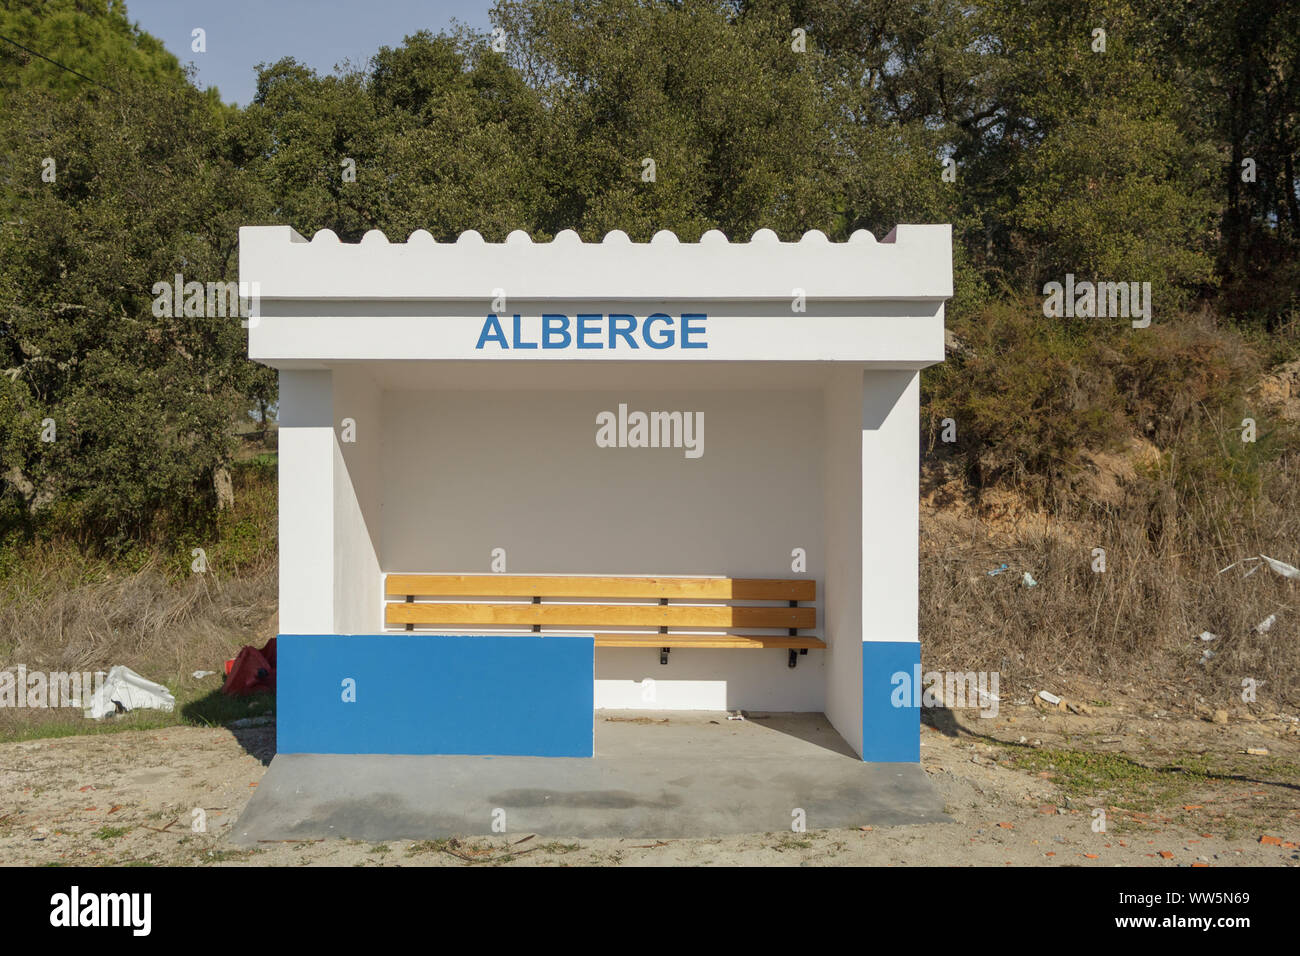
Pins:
x,y
1022,789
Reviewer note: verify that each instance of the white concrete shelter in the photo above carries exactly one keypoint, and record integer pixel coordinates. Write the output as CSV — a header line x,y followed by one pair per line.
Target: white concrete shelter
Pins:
x,y
438,417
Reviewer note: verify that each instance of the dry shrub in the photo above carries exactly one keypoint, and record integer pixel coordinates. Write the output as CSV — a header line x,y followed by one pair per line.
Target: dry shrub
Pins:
x,y
1031,395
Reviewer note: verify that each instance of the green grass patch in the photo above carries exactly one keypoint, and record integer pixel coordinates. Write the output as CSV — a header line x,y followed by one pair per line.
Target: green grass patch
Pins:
x,y
425,846
200,708
792,843
1123,781
556,847
227,856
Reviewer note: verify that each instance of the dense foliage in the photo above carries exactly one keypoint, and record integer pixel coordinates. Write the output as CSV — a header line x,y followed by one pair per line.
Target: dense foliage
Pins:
x,y
1108,140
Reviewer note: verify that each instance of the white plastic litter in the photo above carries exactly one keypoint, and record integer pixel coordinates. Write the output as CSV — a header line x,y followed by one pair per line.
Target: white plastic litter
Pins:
x,y
1207,636
1028,580
1264,626
199,675
1049,697
124,686
1281,567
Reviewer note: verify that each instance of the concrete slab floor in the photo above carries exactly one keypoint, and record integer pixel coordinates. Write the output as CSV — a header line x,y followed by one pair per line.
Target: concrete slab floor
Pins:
x,y
669,774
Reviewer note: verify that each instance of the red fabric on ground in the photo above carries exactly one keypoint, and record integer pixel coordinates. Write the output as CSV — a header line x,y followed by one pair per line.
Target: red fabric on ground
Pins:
x,y
253,671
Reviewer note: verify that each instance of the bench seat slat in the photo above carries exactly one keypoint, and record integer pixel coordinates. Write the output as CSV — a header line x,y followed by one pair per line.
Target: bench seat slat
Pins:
x,y
599,615
562,586
707,640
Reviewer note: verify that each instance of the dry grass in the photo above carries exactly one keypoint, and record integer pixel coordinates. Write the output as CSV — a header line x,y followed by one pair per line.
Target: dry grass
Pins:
x,y
64,609
52,617
1137,624
59,614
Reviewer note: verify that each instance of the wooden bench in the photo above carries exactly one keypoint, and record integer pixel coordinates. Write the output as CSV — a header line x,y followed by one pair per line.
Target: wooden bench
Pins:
x,y
614,625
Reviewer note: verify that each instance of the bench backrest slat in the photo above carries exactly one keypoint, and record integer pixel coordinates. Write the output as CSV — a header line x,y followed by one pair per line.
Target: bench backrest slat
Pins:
x,y
496,601
600,615
560,586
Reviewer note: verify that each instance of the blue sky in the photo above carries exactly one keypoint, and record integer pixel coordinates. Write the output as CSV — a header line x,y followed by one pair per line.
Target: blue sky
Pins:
x,y
320,33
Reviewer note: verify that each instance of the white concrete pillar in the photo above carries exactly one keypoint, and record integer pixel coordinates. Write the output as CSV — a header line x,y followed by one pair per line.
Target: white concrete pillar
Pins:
x,y
841,592
890,504
357,591
306,495
891,404
872,527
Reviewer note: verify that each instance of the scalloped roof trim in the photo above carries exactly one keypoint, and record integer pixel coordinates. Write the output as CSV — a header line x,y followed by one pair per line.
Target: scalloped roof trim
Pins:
x,y
568,237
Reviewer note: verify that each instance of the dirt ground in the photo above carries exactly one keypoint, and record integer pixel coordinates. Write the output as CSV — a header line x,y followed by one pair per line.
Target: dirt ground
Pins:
x,y
1022,788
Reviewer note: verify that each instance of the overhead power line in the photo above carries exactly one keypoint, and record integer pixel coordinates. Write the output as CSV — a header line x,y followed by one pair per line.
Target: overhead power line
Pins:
x,y
56,63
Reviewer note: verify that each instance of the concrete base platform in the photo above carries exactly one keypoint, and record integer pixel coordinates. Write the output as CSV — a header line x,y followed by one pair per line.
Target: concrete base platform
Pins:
x,y
655,775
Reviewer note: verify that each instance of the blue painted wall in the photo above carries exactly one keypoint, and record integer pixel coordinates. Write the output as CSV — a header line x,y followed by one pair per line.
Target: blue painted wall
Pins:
x,y
891,709
434,694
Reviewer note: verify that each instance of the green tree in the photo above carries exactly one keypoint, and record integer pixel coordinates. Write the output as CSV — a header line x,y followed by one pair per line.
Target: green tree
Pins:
x,y
142,405
729,114
91,38
1238,66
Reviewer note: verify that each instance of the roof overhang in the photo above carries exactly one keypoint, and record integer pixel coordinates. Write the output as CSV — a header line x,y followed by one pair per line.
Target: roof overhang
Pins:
x,y
862,301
